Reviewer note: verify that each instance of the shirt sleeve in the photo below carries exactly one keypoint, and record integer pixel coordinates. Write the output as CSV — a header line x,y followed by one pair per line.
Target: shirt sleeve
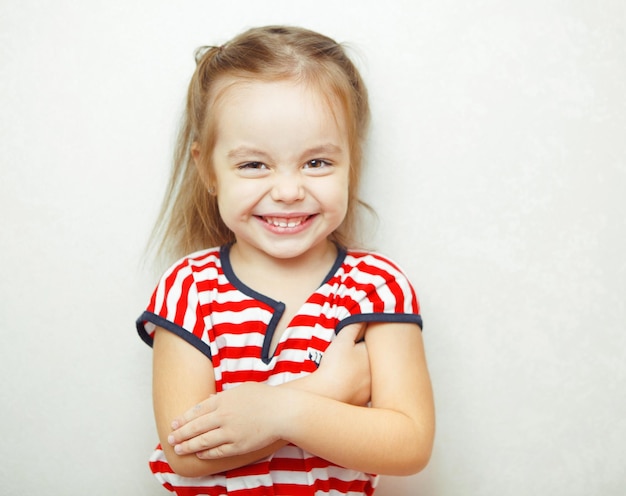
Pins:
x,y
379,291
175,306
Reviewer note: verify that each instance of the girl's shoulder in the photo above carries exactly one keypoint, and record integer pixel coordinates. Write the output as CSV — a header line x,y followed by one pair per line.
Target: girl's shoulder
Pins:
x,y
202,256
360,258
196,261
378,284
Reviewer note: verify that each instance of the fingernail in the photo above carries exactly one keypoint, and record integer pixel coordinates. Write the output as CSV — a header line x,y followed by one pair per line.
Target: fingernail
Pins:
x,y
175,424
171,440
178,449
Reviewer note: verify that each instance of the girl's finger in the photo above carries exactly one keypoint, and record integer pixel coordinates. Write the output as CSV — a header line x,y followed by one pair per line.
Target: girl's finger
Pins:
x,y
193,413
212,454
193,429
205,442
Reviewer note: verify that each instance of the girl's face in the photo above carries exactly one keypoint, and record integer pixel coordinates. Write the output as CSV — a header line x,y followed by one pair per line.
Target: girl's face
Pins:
x,y
280,166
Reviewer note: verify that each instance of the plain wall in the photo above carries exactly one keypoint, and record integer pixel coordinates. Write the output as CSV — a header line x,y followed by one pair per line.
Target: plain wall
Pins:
x,y
497,166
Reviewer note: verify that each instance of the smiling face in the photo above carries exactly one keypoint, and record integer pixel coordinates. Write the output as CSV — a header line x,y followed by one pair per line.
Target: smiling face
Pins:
x,y
280,168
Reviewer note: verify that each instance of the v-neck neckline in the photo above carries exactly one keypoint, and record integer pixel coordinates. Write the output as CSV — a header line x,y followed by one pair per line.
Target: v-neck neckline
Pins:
x,y
277,306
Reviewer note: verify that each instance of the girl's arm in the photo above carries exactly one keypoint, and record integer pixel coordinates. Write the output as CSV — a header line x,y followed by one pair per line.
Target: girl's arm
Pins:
x,y
183,376
393,437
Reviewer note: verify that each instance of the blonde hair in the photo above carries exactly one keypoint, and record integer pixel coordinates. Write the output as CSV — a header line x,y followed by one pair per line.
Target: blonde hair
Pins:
x,y
189,219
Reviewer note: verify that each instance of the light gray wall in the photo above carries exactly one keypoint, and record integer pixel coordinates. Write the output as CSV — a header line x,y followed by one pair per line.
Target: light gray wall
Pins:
x,y
497,166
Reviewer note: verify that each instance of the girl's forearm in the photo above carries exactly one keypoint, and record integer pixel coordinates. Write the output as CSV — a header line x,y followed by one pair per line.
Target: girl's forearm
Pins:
x,y
190,465
371,440
374,440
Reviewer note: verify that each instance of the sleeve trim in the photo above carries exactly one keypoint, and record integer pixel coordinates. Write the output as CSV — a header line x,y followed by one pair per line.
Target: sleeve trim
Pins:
x,y
409,318
182,333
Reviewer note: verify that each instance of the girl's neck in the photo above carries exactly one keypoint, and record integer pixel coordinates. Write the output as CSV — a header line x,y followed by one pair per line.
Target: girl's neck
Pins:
x,y
269,275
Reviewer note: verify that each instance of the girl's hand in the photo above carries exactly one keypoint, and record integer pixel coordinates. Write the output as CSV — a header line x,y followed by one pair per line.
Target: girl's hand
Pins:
x,y
233,422
344,371
247,418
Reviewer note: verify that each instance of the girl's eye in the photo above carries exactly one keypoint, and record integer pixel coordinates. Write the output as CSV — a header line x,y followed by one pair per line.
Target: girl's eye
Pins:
x,y
253,165
316,164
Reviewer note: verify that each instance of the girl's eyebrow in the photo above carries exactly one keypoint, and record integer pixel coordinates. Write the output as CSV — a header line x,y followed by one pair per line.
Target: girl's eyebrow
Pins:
x,y
243,152
325,149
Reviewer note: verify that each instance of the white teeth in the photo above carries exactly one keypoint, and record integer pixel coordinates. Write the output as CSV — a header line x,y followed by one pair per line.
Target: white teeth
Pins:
x,y
280,222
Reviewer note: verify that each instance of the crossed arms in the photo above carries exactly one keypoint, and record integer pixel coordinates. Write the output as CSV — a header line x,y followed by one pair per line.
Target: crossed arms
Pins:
x,y
322,413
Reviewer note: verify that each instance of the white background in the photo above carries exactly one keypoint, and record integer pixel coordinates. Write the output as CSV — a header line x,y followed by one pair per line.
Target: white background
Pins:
x,y
497,166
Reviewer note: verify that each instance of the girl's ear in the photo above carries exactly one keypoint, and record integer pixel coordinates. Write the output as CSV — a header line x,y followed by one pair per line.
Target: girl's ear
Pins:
x,y
202,169
195,152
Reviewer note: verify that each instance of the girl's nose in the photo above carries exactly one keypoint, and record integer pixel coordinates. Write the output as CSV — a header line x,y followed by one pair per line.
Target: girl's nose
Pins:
x,y
287,188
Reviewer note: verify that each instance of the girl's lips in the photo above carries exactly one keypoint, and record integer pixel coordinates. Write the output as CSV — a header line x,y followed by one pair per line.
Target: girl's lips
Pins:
x,y
291,224
285,221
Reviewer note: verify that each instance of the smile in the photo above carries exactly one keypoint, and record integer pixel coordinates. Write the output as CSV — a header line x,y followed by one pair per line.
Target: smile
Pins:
x,y
285,222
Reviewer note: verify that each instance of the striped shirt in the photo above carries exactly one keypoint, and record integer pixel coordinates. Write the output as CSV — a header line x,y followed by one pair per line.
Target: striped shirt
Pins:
x,y
201,300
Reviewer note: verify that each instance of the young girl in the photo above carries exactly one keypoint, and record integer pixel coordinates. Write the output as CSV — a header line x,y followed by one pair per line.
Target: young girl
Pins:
x,y
264,195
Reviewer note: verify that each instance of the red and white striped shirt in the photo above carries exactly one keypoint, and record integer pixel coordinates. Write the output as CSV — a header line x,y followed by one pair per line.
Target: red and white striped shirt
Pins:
x,y
201,300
